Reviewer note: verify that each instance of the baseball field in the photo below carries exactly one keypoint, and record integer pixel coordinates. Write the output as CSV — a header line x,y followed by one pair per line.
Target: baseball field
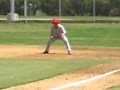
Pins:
x,y
93,65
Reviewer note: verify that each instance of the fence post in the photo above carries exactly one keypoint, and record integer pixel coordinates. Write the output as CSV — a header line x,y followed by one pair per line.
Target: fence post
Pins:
x,y
25,10
94,10
59,8
12,16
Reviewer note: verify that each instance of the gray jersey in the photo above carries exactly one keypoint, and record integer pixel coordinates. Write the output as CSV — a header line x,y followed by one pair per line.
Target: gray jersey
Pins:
x,y
56,33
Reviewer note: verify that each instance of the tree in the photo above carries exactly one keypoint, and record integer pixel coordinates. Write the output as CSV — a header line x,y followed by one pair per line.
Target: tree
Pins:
x,y
33,6
115,8
69,7
50,7
4,7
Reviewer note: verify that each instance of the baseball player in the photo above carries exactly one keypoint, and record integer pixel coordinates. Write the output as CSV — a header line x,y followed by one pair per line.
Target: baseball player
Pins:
x,y
57,33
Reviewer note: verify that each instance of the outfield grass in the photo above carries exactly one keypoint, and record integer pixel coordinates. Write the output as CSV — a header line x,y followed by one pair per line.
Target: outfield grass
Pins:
x,y
15,72
78,34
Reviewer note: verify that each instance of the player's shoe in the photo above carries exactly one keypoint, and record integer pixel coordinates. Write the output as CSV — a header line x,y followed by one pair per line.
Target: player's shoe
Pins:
x,y
69,53
45,52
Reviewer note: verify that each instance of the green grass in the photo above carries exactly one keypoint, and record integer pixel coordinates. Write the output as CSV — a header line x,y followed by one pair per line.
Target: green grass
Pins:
x,y
15,72
78,34
114,88
95,34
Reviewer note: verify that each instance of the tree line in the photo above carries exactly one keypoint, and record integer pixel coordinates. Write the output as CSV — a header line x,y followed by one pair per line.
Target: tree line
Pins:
x,y
68,7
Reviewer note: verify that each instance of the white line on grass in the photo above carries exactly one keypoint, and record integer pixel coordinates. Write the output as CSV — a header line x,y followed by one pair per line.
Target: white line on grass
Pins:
x,y
85,81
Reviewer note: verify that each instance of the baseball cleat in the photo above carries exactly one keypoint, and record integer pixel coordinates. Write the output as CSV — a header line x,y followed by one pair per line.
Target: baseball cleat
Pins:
x,y
46,52
69,53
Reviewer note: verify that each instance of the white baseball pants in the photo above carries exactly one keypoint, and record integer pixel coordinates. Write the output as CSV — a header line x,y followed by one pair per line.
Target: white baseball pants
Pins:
x,y
65,40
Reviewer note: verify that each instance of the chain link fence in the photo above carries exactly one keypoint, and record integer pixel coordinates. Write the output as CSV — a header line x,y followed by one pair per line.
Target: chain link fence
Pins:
x,y
62,8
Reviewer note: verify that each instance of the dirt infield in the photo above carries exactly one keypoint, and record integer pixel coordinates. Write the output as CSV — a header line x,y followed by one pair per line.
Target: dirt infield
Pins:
x,y
35,52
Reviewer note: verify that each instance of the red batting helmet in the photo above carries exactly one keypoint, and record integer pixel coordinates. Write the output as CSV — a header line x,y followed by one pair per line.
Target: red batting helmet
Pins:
x,y
55,20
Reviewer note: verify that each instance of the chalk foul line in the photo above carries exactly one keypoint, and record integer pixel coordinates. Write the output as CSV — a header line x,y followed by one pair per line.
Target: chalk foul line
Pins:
x,y
85,81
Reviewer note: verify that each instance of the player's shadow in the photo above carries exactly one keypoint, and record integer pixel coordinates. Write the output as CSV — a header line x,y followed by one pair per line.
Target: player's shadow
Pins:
x,y
45,53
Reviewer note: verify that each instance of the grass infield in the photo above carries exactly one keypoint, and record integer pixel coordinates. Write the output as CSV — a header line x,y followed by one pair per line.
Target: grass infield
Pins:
x,y
15,72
